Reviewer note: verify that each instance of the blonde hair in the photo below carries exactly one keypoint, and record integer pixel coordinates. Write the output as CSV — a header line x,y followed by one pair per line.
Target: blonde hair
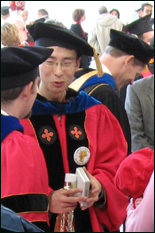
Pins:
x,y
9,34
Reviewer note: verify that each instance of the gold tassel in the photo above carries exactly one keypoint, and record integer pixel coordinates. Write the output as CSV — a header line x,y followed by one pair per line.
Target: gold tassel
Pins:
x,y
98,63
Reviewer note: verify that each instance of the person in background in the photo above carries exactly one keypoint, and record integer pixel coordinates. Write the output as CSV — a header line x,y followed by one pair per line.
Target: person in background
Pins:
x,y
22,30
79,16
139,12
140,216
43,13
100,34
139,105
115,12
141,28
146,10
151,63
9,35
54,21
21,157
135,178
12,222
61,120
24,14
5,13
122,60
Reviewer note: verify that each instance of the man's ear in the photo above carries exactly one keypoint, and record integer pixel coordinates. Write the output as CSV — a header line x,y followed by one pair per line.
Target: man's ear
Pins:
x,y
78,63
35,85
27,90
129,59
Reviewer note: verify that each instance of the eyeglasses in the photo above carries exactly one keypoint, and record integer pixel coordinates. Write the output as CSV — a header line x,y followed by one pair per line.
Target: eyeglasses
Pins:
x,y
66,65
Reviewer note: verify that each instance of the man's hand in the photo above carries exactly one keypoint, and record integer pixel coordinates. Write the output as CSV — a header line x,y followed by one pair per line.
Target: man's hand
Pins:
x,y
95,190
62,201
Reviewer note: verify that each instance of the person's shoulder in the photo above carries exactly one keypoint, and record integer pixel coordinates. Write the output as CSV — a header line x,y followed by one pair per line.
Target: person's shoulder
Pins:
x,y
83,71
143,83
75,26
19,138
99,109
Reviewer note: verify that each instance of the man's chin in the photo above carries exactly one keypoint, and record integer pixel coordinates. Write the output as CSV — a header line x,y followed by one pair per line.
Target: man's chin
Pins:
x,y
28,115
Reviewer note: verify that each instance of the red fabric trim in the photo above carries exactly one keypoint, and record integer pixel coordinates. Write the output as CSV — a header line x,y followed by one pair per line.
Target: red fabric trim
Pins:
x,y
146,74
84,34
62,134
36,216
114,214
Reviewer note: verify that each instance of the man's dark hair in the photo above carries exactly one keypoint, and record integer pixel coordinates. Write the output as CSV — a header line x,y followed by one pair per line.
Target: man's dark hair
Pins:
x,y
116,11
145,4
43,11
10,94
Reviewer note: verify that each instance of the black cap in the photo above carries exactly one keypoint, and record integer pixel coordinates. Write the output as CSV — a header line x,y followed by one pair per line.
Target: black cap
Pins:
x,y
19,65
139,9
5,10
139,26
47,35
132,45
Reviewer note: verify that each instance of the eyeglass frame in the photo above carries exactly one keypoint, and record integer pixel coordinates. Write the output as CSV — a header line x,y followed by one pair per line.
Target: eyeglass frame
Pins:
x,y
62,64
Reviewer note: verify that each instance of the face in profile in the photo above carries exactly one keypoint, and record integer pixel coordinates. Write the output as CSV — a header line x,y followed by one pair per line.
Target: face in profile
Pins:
x,y
147,10
22,31
147,37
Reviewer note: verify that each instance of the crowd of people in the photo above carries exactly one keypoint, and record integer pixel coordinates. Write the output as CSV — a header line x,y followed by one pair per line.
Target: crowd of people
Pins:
x,y
71,99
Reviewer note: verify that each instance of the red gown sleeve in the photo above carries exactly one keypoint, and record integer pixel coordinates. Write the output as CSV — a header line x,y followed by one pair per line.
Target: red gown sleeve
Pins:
x,y
108,148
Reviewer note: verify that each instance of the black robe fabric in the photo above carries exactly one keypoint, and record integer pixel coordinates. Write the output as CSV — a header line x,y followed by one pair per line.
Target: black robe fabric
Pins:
x,y
76,28
56,126
109,97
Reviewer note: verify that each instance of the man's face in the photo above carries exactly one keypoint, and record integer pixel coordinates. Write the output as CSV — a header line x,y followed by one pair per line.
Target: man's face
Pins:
x,y
24,15
57,72
128,74
147,37
114,13
147,10
140,13
22,31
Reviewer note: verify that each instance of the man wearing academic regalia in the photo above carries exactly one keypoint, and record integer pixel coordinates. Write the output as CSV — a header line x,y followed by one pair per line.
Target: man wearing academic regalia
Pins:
x,y
24,189
68,124
116,74
143,30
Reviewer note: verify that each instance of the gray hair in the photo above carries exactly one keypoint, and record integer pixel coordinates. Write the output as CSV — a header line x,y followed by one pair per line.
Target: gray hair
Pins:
x,y
102,10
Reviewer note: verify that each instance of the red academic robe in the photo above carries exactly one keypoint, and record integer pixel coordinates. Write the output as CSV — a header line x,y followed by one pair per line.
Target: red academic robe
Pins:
x,y
24,178
107,148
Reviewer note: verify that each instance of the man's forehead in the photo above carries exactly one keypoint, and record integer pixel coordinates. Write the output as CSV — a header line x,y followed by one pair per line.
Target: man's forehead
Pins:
x,y
61,51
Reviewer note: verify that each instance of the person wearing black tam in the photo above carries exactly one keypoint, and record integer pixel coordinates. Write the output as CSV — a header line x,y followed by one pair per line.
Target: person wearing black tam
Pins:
x,y
142,28
5,13
125,56
144,31
21,157
139,12
53,35
74,130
